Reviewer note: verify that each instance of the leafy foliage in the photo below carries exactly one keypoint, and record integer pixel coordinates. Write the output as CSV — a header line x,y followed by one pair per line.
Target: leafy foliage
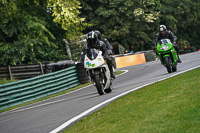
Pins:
x,y
129,23
31,32
66,13
183,19
133,24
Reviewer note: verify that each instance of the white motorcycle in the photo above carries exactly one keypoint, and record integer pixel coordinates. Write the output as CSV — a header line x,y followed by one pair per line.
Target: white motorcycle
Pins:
x,y
98,71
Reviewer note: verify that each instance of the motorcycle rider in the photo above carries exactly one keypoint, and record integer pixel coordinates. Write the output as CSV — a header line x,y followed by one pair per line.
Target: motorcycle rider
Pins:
x,y
94,42
166,34
109,47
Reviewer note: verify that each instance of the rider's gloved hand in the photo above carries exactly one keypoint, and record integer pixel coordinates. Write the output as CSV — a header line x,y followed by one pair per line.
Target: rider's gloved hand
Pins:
x,y
109,52
174,43
155,50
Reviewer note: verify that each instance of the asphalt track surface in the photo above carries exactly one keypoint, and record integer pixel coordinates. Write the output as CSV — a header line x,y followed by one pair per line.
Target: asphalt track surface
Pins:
x,y
61,112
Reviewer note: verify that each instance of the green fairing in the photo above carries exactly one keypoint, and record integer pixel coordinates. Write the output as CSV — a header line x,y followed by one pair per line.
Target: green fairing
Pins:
x,y
166,49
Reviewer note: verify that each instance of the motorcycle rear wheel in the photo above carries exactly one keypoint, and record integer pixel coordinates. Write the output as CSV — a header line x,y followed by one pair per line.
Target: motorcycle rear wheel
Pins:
x,y
168,64
174,69
108,90
98,84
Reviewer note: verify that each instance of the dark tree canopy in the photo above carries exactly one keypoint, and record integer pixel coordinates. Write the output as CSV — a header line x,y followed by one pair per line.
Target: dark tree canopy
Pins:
x,y
33,30
134,23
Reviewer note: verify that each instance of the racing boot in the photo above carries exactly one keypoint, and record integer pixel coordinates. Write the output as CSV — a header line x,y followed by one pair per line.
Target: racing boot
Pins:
x,y
179,60
177,50
112,74
111,71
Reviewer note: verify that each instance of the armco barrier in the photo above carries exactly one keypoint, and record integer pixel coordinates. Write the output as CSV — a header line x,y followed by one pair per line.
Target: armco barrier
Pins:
x,y
19,92
26,71
83,77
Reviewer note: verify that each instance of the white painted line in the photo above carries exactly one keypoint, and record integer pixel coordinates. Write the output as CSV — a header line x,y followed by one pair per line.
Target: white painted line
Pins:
x,y
64,125
123,73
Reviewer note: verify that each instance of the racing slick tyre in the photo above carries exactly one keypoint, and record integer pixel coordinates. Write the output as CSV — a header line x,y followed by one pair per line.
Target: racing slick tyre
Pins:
x,y
174,69
99,86
168,64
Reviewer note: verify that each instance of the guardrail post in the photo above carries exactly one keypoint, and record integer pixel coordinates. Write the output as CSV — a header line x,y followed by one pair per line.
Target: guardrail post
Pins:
x,y
67,48
41,69
10,73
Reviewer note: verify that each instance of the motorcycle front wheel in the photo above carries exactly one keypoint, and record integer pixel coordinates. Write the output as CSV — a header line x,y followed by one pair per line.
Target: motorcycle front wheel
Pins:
x,y
99,86
168,64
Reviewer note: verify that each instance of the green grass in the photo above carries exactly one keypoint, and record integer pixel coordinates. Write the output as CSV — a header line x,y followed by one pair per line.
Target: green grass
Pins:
x,y
169,106
47,97
119,72
5,81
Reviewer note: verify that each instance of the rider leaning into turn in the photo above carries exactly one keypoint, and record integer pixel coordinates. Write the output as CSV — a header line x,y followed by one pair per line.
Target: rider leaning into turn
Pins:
x,y
94,42
109,47
166,34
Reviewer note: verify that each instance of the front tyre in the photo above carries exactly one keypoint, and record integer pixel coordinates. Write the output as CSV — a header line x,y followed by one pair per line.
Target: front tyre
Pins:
x,y
99,86
168,64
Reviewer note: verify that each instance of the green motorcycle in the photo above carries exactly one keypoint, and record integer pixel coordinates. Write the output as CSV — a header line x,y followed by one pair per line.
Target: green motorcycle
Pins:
x,y
167,54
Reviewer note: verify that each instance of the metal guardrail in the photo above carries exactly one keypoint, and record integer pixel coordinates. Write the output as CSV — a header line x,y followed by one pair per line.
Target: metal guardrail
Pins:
x,y
21,71
26,71
19,92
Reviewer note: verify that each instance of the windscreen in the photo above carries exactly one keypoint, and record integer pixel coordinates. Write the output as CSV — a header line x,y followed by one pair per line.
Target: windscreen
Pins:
x,y
164,41
93,53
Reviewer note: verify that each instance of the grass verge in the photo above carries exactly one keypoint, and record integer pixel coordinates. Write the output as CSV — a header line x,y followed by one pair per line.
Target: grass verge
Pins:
x,y
3,81
168,106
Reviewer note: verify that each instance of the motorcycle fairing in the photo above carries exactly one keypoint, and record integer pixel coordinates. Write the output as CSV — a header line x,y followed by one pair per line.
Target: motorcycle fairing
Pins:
x,y
91,64
97,64
165,48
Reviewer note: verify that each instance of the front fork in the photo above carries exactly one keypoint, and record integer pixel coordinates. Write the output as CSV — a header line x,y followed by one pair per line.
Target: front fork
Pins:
x,y
172,54
93,72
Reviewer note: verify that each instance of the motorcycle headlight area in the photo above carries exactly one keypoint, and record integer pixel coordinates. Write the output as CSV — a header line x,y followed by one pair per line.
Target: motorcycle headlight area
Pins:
x,y
164,48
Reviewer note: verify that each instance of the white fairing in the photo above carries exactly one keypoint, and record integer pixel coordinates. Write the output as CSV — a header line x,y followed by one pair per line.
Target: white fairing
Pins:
x,y
91,64
98,62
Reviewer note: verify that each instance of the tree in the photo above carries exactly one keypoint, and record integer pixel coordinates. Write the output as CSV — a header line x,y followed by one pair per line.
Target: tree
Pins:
x,y
127,22
183,18
33,30
134,24
66,13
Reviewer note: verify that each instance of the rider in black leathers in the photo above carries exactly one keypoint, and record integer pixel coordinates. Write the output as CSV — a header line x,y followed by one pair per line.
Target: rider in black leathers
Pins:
x,y
166,34
109,47
94,42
